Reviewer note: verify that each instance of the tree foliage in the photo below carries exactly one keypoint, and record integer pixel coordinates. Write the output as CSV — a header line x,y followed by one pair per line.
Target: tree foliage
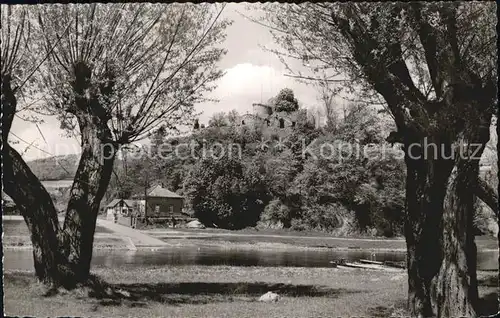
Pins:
x,y
233,117
162,64
226,194
285,101
218,120
339,196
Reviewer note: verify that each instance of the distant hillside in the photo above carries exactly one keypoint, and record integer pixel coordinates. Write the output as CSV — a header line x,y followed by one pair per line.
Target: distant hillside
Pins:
x,y
55,168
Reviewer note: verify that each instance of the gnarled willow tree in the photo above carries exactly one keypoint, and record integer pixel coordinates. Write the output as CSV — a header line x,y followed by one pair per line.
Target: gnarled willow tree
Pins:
x,y
434,65
112,73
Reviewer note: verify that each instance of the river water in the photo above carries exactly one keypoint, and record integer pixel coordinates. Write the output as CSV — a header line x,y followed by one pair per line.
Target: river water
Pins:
x,y
22,259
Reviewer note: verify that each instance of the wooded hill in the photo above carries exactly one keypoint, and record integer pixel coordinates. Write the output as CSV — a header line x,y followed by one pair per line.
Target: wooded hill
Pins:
x,y
272,184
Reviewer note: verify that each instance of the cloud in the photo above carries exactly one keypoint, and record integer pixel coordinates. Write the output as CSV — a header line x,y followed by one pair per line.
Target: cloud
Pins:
x,y
240,87
246,83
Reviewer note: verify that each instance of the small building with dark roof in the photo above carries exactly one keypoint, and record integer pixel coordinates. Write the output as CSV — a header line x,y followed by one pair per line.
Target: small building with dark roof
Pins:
x,y
120,207
163,203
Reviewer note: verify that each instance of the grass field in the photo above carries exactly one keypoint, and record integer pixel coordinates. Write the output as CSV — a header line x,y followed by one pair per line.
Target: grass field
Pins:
x,y
19,228
16,234
300,242
250,237
99,242
224,291
298,239
221,291
255,231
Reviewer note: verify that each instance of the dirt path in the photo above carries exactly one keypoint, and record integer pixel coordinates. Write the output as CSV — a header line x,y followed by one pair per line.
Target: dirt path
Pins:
x,y
137,238
133,238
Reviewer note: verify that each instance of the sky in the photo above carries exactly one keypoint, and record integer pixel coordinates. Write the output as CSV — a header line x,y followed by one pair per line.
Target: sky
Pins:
x,y
252,75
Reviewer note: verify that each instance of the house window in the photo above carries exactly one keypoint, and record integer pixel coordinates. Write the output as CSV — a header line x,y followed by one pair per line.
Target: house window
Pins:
x,y
171,208
157,209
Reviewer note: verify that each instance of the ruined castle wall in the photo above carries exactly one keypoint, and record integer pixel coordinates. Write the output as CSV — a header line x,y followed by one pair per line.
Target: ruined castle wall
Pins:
x,y
262,110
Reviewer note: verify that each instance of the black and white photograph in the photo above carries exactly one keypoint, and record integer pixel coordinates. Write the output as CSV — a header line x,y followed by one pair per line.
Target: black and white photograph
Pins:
x,y
238,159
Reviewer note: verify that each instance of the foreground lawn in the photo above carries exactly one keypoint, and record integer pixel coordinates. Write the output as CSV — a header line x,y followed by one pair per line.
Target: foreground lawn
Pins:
x,y
217,291
224,291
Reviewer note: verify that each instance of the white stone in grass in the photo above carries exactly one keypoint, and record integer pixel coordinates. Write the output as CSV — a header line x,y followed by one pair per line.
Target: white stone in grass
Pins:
x,y
123,292
270,297
195,224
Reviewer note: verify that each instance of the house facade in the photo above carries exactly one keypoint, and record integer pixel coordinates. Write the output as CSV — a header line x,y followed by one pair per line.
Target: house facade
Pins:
x,y
121,208
159,203
162,203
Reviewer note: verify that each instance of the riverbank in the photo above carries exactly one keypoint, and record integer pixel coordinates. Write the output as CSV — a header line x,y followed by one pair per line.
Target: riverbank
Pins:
x,y
289,239
108,235
16,242
114,236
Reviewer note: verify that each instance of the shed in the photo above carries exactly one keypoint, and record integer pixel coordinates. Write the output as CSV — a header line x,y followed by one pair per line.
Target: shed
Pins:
x,y
120,206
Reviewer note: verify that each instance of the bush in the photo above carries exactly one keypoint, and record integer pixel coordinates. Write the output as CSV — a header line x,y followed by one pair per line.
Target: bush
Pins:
x,y
299,225
225,193
373,188
275,215
333,218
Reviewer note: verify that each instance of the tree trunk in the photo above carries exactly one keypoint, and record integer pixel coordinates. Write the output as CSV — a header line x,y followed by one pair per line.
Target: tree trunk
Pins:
x,y
439,227
90,183
32,200
425,191
456,284
38,211
62,257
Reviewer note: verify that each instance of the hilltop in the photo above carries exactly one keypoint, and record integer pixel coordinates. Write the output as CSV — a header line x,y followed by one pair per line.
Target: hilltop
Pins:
x,y
55,168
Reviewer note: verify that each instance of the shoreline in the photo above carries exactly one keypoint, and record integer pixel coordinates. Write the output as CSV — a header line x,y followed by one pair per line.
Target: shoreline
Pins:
x,y
121,238
242,246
